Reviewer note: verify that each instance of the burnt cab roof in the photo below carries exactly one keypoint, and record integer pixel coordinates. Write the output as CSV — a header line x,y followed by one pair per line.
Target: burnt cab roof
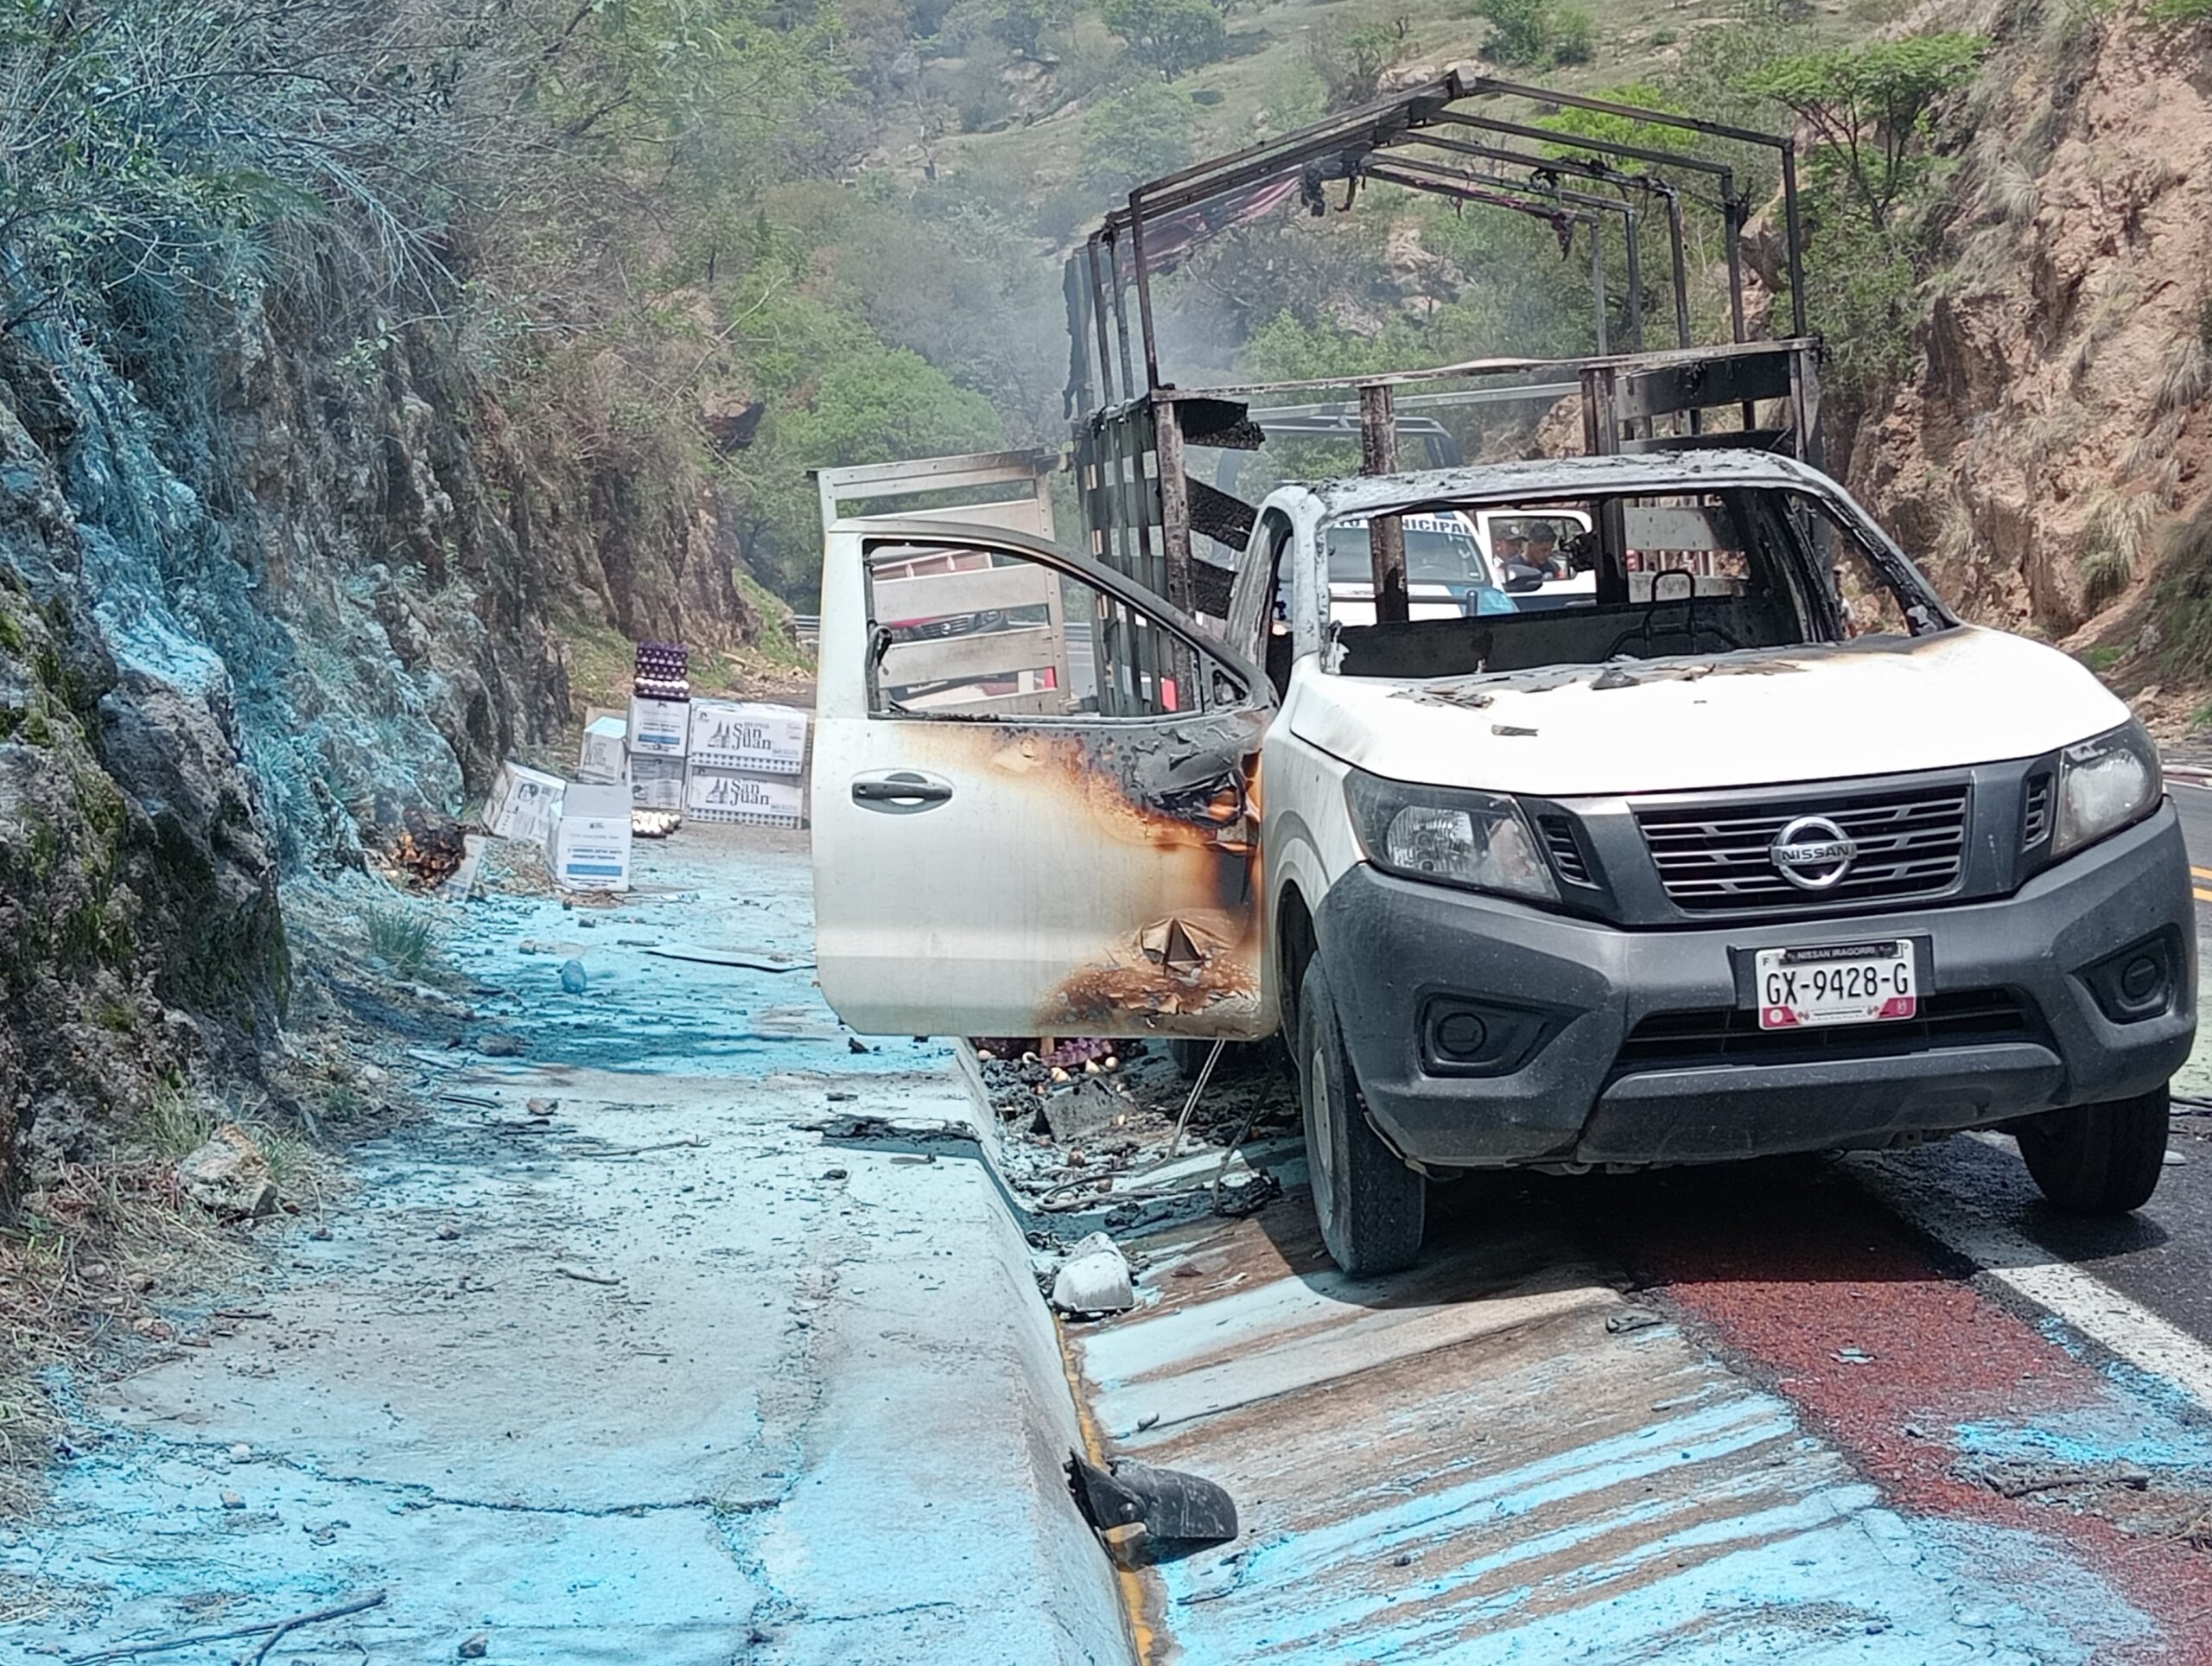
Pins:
x,y
1650,472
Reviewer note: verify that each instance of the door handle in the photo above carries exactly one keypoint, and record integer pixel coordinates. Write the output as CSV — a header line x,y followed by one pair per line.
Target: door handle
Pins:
x,y
901,791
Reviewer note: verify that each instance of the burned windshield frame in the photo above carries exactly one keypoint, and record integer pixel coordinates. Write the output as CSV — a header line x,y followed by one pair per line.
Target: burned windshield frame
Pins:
x,y
1799,536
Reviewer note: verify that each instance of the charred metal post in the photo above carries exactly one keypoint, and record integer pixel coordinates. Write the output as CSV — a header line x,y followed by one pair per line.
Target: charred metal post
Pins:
x,y
1121,313
1796,248
1386,534
1675,244
1598,284
1106,390
1144,288
1175,502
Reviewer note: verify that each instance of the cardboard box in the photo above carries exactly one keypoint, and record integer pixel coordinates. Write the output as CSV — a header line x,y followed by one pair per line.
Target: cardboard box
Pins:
x,y
658,728
590,847
730,795
605,757
522,803
759,740
656,782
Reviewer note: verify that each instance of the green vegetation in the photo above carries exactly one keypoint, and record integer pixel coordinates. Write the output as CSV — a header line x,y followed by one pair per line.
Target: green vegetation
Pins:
x,y
1137,134
402,938
1537,32
1172,37
1872,109
847,213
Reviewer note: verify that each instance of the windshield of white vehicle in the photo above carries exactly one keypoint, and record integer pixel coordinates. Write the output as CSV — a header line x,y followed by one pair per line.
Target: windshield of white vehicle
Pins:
x,y
1440,549
1688,574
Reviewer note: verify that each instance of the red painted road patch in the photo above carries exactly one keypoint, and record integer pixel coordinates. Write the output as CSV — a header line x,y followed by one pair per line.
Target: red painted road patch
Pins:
x,y
1809,1286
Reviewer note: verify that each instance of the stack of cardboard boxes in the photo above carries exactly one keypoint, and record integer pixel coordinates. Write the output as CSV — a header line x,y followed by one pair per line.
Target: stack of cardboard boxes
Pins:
x,y
747,763
660,726
712,761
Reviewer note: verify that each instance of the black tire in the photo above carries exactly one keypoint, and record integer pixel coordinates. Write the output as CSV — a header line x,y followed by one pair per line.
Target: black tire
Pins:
x,y
1370,1204
2099,1159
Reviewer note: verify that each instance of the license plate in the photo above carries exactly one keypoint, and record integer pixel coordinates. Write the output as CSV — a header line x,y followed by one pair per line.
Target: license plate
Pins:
x,y
1836,983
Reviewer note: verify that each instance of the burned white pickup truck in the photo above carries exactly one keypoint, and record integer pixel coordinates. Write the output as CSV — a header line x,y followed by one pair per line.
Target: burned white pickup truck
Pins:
x,y
1748,846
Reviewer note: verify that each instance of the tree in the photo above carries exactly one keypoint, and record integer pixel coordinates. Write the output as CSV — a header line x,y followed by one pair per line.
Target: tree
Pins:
x,y
1173,36
1350,65
1520,31
1135,135
1872,107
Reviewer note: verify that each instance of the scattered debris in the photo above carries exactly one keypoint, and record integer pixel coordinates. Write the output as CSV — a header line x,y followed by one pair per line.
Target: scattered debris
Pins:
x,y
1632,1320
427,857
585,1278
853,1044
1094,1279
689,1143
2021,1480
1086,1109
867,1128
229,1176
751,963
274,1629
1169,1504
1243,1191
1853,1357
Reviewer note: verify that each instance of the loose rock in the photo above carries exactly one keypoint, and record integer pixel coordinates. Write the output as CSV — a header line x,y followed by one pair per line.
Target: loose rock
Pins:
x,y
502,1046
573,978
1094,1279
228,1176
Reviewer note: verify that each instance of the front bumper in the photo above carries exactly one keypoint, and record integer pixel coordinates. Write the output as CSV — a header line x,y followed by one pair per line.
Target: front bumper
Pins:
x,y
1581,1079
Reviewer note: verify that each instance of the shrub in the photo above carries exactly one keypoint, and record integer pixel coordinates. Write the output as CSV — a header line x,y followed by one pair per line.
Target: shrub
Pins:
x,y
1350,65
1173,36
1574,37
1520,30
1136,135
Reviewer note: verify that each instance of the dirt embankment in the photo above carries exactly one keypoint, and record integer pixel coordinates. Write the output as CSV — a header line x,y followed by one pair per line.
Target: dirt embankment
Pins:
x,y
2055,432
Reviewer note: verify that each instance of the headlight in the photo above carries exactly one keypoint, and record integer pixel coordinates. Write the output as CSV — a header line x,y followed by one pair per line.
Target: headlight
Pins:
x,y
2106,784
1475,839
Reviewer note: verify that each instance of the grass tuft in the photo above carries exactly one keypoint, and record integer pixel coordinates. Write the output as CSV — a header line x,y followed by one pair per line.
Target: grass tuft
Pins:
x,y
401,939
2012,194
2185,376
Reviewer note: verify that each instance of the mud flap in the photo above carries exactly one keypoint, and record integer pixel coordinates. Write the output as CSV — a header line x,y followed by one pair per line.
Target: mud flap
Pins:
x,y
1167,1503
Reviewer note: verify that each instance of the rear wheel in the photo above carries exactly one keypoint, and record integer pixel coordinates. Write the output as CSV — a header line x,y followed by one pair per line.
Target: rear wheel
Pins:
x,y
2099,1159
1370,1204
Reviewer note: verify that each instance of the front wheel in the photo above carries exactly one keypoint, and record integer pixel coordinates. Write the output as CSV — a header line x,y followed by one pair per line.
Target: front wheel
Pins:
x,y
2099,1159
1370,1204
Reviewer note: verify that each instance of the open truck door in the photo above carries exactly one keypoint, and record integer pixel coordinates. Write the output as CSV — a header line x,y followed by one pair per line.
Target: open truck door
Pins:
x,y
1034,792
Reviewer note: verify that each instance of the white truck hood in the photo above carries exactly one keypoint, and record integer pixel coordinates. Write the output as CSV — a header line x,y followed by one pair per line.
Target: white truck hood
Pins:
x,y
1876,706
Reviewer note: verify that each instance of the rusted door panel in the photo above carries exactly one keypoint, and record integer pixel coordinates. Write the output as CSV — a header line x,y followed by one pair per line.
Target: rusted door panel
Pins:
x,y
1080,876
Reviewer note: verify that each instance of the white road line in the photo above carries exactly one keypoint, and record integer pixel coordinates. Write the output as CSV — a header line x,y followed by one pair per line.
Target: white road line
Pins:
x,y
2122,1326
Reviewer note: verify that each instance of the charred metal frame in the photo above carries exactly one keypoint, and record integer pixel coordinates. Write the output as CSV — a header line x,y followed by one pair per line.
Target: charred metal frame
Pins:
x,y
1133,426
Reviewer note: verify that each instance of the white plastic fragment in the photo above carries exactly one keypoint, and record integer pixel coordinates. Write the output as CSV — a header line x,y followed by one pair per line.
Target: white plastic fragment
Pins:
x,y
1094,1279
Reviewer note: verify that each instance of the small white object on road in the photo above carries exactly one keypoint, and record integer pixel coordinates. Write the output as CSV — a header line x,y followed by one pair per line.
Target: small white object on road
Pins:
x,y
1094,1279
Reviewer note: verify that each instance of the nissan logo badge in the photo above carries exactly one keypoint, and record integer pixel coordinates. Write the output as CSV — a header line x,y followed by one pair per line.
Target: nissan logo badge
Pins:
x,y
1813,852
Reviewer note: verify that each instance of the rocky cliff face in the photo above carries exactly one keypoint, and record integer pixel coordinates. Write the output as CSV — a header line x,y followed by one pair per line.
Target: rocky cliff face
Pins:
x,y
259,598
2055,435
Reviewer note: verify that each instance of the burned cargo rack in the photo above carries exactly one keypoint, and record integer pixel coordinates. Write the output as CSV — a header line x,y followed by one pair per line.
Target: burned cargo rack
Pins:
x,y
1135,429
